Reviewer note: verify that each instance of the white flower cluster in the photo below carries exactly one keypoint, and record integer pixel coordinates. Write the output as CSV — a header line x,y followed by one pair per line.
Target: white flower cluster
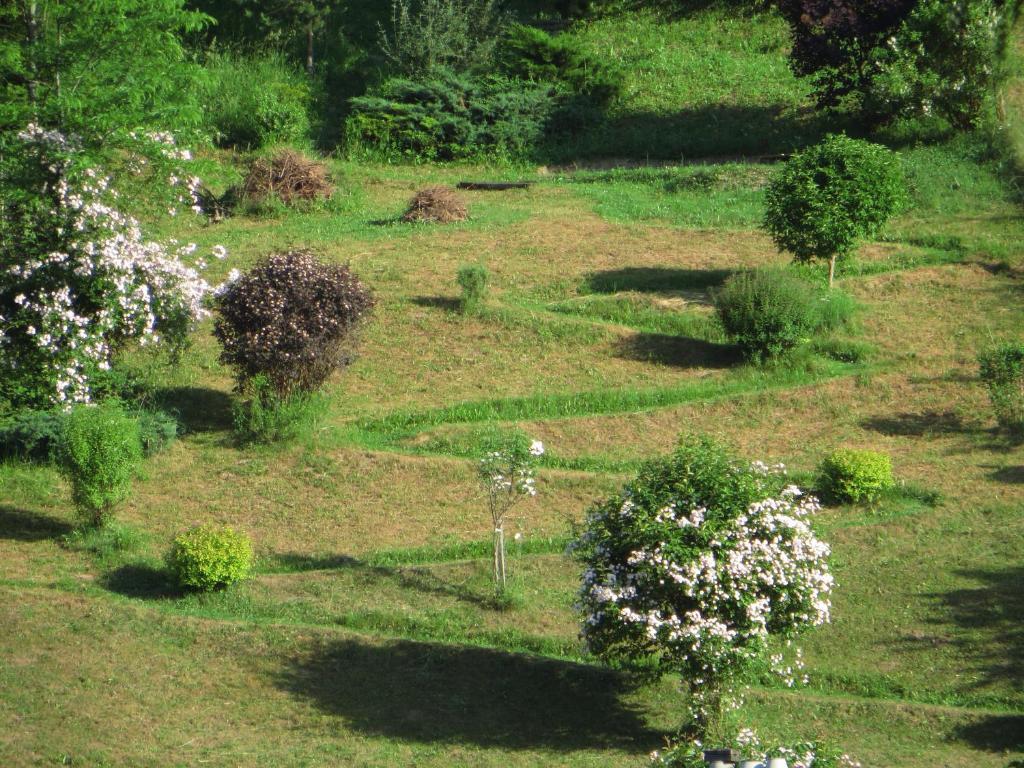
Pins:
x,y
711,608
103,283
800,755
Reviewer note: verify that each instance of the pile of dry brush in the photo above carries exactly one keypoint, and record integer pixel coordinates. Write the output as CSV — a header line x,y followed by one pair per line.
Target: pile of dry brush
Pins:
x,y
436,204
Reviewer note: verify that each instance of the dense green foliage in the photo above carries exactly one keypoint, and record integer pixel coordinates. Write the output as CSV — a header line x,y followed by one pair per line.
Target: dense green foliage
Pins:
x,y
94,68
450,117
253,101
1002,370
205,558
36,435
770,311
828,198
892,58
100,454
851,475
429,37
472,279
292,319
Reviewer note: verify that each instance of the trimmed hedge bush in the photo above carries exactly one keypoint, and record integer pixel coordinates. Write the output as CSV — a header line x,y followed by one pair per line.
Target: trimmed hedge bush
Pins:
x,y
1002,370
207,557
100,453
851,475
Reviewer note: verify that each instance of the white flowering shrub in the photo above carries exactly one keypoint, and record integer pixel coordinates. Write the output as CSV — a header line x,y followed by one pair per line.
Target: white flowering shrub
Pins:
x,y
805,754
506,473
78,280
701,566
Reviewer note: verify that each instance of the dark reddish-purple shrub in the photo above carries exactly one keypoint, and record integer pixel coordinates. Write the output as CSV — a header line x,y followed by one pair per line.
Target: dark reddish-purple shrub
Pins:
x,y
291,319
833,40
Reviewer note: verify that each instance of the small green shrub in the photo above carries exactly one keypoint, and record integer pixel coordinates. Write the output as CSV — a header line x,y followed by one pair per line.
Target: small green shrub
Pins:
x,y
450,117
100,454
473,280
265,416
851,475
157,430
206,557
828,198
1002,370
767,311
255,101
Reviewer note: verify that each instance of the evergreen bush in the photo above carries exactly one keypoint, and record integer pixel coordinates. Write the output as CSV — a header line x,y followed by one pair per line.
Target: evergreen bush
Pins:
x,y
850,475
1002,371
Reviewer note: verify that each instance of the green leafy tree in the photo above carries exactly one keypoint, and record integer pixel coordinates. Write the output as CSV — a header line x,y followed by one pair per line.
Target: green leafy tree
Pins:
x,y
291,20
93,67
828,198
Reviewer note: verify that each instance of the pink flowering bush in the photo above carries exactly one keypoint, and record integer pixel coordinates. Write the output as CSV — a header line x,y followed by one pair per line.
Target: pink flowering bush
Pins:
x,y
703,566
78,279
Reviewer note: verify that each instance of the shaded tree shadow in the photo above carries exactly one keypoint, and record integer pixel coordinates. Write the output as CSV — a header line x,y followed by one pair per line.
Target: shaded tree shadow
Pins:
x,y
654,280
1010,475
991,617
679,351
21,525
432,693
197,409
924,424
419,579
141,581
707,133
446,303
997,733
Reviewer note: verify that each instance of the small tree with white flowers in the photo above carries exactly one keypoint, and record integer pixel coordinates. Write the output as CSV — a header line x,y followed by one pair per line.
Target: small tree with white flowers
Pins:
x,y
507,474
700,567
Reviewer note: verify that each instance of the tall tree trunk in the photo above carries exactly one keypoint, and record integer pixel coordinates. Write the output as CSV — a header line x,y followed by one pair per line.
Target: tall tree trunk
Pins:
x,y
30,12
309,48
831,270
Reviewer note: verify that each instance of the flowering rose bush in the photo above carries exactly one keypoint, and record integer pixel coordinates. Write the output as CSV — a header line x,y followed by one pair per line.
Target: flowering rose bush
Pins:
x,y
78,280
506,473
699,567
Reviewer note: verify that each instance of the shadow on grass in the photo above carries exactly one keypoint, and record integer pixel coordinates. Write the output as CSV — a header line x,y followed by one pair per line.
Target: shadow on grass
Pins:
x,y
432,693
414,578
990,617
703,134
654,280
1009,475
446,303
197,409
679,351
21,525
141,581
925,424
998,733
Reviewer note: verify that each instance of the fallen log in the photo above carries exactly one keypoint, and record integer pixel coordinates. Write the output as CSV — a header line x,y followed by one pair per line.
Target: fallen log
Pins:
x,y
494,186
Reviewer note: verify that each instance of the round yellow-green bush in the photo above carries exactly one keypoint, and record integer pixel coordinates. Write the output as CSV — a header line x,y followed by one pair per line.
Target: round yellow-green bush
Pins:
x,y
851,475
207,557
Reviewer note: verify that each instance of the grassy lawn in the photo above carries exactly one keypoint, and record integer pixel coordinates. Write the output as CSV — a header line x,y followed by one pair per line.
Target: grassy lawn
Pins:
x,y
370,634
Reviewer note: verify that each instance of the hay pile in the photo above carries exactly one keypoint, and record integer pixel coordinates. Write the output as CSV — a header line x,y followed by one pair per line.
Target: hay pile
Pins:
x,y
436,204
290,176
